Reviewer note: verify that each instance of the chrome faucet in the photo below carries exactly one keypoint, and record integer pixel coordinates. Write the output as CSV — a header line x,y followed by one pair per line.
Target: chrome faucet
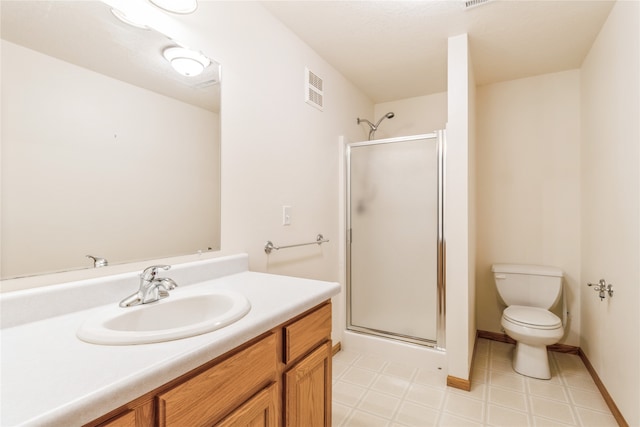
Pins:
x,y
98,262
152,288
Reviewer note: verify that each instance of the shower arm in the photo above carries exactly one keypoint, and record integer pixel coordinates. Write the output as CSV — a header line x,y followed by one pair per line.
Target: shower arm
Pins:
x,y
373,128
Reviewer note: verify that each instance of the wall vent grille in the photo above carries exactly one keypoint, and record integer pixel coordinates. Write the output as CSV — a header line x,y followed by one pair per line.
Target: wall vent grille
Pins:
x,y
473,3
314,90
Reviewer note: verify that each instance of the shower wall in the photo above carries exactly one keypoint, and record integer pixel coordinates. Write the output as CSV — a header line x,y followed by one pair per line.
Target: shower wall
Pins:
x,y
413,116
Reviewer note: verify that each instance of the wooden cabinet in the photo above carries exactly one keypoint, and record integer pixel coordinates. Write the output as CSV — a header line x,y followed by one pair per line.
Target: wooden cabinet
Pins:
x,y
281,378
304,334
127,419
139,413
207,397
308,390
307,382
259,411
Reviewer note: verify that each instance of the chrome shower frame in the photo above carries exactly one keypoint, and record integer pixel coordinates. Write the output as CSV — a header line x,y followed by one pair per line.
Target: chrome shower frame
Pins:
x,y
440,341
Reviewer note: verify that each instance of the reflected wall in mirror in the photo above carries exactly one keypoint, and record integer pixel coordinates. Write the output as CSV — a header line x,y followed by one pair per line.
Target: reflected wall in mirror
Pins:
x,y
106,150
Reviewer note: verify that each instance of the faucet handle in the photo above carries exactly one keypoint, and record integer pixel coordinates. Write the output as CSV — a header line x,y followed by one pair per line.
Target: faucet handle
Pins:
x,y
149,273
98,262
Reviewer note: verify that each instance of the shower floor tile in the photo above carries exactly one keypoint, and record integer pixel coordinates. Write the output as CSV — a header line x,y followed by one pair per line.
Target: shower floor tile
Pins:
x,y
372,391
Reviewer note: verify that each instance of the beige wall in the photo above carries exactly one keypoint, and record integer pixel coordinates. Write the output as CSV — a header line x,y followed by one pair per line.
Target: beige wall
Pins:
x,y
277,150
610,181
528,185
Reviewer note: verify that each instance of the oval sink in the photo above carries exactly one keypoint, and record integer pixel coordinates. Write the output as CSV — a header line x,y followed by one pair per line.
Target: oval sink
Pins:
x,y
175,317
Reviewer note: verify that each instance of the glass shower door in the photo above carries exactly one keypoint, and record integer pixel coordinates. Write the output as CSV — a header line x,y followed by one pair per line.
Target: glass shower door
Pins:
x,y
394,245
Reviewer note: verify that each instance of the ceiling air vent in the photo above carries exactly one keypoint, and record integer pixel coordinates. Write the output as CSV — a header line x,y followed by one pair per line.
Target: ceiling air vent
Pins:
x,y
473,3
313,90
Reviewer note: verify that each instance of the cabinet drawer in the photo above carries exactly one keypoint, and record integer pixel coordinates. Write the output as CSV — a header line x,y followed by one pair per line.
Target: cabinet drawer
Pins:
x,y
306,333
212,394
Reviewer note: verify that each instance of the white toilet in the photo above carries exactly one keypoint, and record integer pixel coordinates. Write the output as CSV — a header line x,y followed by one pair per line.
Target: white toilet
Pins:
x,y
529,291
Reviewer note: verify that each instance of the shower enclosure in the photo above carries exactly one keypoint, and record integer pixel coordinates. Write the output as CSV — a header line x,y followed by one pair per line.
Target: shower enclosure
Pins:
x,y
395,245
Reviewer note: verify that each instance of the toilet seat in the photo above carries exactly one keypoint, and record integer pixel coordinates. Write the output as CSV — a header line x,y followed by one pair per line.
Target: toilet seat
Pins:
x,y
532,317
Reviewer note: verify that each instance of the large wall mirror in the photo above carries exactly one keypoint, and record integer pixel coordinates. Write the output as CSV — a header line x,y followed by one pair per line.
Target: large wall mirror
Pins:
x,y
106,150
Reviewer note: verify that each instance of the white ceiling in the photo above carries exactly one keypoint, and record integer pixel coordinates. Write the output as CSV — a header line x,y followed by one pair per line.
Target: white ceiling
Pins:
x,y
390,49
398,49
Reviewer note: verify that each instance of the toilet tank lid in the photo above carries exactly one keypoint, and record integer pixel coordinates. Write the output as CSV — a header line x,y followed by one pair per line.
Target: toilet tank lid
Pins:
x,y
538,270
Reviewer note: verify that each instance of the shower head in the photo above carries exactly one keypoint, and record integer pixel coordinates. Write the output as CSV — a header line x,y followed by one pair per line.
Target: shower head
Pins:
x,y
374,128
389,115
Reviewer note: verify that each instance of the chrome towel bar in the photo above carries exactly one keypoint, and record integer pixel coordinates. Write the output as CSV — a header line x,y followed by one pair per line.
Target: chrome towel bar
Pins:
x,y
269,246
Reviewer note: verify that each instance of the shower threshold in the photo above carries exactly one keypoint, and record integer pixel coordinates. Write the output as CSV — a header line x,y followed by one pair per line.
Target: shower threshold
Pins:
x,y
395,336
397,351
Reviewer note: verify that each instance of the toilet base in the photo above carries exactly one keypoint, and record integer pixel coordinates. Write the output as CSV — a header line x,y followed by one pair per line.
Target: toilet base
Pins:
x,y
531,360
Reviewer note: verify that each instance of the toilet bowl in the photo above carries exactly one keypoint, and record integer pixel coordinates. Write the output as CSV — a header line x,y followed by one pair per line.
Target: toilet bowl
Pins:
x,y
529,291
533,329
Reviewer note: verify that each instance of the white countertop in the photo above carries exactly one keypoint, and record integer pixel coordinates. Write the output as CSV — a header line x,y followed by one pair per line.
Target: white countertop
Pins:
x,y
50,377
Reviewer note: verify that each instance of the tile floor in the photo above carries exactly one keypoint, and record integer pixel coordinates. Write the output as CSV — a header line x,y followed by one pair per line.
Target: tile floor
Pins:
x,y
369,391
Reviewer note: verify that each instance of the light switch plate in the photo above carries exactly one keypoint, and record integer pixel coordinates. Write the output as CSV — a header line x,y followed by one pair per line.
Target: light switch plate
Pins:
x,y
286,215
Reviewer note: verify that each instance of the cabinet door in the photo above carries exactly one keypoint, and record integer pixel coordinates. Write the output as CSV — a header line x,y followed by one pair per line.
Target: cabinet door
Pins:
x,y
259,411
308,390
128,419
206,398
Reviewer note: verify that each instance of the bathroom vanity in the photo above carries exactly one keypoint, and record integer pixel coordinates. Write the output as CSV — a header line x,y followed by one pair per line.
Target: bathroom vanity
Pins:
x,y
271,367
289,367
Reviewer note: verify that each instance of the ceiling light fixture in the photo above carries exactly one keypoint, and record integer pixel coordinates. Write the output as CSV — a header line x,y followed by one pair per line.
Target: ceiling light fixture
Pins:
x,y
185,61
177,6
128,20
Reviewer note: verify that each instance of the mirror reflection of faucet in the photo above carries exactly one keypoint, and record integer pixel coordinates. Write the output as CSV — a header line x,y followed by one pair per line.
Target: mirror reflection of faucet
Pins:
x,y
601,287
152,288
98,262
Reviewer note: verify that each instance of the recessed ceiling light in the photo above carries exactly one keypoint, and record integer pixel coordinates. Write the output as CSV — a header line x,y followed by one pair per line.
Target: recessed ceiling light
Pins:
x,y
185,61
177,6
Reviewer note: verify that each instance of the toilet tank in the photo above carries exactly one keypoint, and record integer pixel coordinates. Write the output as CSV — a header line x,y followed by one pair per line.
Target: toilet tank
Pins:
x,y
529,285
